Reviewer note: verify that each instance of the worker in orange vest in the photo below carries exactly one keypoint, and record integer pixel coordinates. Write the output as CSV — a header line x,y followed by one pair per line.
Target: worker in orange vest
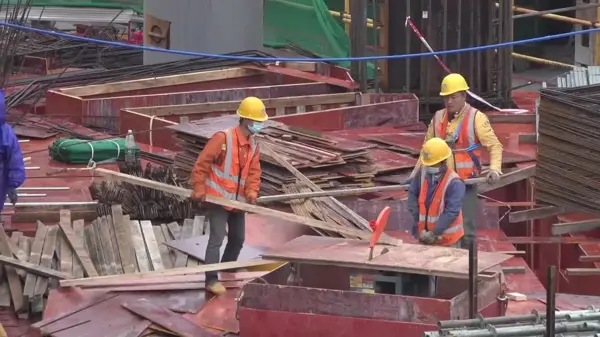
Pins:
x,y
466,130
229,167
435,198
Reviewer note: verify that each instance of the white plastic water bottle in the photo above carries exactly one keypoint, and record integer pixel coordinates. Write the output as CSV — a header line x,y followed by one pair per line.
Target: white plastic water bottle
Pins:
x,y
130,148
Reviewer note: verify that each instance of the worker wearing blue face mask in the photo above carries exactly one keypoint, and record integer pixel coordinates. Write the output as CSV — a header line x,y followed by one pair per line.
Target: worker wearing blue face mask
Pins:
x,y
435,198
229,167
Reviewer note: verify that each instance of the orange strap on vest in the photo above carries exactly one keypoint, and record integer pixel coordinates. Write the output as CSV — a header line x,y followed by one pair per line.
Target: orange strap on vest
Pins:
x,y
428,216
465,145
226,180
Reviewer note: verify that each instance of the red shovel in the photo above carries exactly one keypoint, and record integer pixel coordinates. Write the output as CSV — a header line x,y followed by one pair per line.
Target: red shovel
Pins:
x,y
378,227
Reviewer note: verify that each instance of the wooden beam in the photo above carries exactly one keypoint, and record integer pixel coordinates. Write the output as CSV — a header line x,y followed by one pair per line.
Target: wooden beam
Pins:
x,y
518,240
155,82
293,218
270,103
536,213
575,227
33,268
509,119
582,271
589,258
508,178
111,279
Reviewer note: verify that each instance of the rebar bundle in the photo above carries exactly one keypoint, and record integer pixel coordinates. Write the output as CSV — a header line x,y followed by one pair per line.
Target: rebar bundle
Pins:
x,y
567,153
16,13
142,203
568,323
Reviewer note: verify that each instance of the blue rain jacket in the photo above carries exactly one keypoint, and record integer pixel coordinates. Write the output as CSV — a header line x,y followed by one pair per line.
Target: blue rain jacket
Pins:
x,y
12,167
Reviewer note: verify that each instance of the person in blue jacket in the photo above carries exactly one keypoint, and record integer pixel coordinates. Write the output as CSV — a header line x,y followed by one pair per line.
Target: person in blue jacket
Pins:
x,y
11,158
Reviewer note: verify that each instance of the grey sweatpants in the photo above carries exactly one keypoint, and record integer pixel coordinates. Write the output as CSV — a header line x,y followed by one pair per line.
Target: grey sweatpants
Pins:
x,y
469,212
224,222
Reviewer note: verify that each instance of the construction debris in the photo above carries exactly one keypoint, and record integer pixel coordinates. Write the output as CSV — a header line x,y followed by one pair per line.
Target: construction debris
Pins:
x,y
142,203
327,162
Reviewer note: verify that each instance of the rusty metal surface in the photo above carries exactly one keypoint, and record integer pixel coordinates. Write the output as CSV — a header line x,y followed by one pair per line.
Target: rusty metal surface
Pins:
x,y
260,323
465,24
385,161
219,313
196,247
406,142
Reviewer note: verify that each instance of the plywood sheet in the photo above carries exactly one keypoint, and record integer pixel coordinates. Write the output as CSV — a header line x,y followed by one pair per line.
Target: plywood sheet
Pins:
x,y
404,258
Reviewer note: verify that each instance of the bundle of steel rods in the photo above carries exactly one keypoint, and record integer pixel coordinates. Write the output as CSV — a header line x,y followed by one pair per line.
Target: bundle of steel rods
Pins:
x,y
142,203
17,12
568,159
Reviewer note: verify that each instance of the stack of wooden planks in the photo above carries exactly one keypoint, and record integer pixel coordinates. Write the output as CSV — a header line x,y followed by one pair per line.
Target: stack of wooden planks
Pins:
x,y
329,162
142,203
110,245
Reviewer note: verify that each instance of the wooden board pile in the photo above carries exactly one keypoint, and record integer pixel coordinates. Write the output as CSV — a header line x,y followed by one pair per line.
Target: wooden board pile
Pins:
x,y
567,159
110,245
326,161
142,203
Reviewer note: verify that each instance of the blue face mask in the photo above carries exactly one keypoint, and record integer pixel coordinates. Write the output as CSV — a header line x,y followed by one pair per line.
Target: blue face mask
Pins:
x,y
255,127
432,170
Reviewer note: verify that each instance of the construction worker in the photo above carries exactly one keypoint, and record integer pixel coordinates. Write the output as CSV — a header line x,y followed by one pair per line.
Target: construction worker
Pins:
x,y
229,167
435,199
466,130
13,167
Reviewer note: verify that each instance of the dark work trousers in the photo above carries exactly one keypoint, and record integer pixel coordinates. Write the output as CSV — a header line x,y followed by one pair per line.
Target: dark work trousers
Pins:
x,y
235,231
469,212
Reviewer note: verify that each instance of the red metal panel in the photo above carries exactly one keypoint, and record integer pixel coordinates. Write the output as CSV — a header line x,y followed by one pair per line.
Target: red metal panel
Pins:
x,y
266,323
65,106
298,76
398,113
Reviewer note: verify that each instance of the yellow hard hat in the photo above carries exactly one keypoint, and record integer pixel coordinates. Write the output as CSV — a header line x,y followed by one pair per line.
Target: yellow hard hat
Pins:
x,y
453,83
253,108
435,151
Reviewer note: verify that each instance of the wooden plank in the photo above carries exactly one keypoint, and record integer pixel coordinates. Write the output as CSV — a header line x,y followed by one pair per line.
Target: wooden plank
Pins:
x,y
536,213
107,247
508,178
582,271
34,268
517,119
76,245
589,258
14,282
18,252
114,244
66,256
151,245
95,254
575,227
101,280
406,258
35,258
78,226
15,237
46,259
175,230
164,250
166,318
25,248
197,230
168,237
292,218
186,232
123,236
138,244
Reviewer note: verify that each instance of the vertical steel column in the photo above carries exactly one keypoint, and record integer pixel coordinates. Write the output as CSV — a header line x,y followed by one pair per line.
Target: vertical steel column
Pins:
x,y
550,300
473,278
358,41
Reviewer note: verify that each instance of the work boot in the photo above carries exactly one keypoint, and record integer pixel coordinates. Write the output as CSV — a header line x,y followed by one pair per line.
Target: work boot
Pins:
x,y
216,288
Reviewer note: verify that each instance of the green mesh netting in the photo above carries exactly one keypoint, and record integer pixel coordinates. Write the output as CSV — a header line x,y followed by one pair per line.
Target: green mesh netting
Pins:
x,y
79,151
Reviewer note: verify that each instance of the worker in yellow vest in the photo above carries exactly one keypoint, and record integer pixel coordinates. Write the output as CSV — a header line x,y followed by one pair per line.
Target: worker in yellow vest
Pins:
x,y
466,130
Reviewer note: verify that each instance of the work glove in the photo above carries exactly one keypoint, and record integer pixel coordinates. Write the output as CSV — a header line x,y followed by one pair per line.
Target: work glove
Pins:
x,y
373,225
427,237
251,198
198,195
12,196
492,177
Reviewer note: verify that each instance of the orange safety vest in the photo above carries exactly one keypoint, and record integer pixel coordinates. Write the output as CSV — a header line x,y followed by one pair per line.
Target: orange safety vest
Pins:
x,y
428,216
228,179
465,145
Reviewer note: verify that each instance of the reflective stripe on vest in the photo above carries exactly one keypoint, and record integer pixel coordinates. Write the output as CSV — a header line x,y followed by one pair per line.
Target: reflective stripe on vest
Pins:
x,y
455,231
225,173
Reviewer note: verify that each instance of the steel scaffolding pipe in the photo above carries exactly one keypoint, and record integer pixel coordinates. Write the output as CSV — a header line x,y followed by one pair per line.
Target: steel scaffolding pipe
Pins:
x,y
554,16
534,317
556,10
519,330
